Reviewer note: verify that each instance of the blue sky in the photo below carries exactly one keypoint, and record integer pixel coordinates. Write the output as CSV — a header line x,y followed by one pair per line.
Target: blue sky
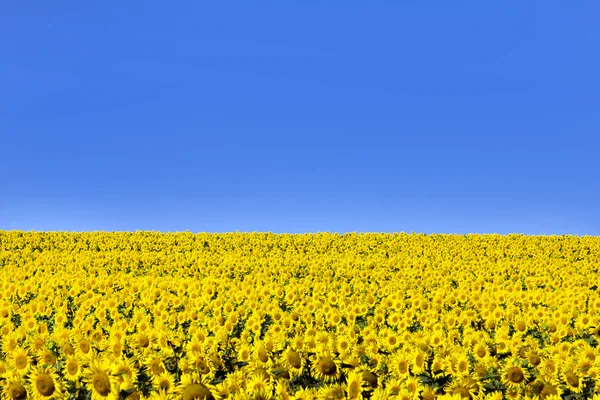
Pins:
x,y
340,116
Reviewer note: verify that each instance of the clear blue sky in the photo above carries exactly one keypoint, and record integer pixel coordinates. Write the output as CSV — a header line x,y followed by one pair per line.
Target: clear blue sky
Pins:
x,y
376,116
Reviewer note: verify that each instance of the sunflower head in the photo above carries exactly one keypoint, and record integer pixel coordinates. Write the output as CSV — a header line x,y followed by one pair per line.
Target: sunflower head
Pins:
x,y
461,366
100,382
514,376
21,361
194,387
45,383
72,370
549,390
48,358
573,381
370,378
259,387
354,384
325,368
196,391
16,390
165,382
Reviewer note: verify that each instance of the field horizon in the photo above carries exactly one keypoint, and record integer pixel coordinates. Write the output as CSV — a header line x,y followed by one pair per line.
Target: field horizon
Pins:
x,y
149,315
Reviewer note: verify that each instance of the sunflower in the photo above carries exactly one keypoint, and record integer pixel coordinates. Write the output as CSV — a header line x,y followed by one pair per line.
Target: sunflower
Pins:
x,y
99,381
593,373
496,395
436,338
235,382
325,367
534,388
160,395
393,386
115,348
221,391
588,353
533,358
331,392
549,389
521,325
414,386
480,351
419,359
343,345
44,383
38,343
278,372
141,341
293,361
163,347
185,365
400,365
548,370
297,343
389,340
155,365
4,312
584,366
72,369
10,342
354,385
305,394
83,348
465,387
194,387
282,391
14,388
261,354
429,392
438,367
514,376
460,366
47,358
204,366
404,394
244,352
124,371
21,361
259,387
369,377
572,380
165,382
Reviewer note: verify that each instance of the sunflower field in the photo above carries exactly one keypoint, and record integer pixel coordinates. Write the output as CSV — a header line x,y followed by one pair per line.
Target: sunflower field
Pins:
x,y
298,316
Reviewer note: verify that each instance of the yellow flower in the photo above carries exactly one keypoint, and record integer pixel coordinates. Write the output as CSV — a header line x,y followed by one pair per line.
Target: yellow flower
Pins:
x,y
165,382
14,388
45,383
155,365
461,365
465,386
100,382
400,365
259,387
124,372
325,367
193,387
514,376
354,384
572,380
419,359
293,361
21,361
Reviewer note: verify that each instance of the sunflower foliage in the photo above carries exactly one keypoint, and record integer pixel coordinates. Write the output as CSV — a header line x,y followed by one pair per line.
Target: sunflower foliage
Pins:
x,y
146,315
